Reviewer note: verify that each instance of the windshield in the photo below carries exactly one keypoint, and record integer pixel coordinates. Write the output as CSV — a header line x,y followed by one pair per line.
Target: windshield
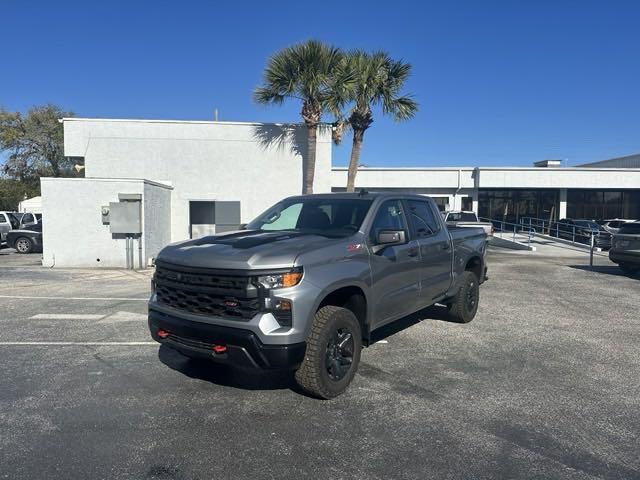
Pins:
x,y
331,217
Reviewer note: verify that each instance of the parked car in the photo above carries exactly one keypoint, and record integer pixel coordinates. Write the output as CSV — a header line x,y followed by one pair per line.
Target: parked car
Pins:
x,y
27,239
581,230
467,219
8,222
306,283
625,248
613,225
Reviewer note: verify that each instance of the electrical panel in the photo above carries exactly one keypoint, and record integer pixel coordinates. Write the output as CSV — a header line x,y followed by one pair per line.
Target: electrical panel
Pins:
x,y
124,217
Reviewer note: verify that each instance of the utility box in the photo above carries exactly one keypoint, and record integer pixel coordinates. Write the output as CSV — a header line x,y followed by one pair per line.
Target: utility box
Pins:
x,y
124,217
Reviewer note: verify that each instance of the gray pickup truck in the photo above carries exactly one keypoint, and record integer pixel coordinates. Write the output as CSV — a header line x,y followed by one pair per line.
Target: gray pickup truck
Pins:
x,y
305,284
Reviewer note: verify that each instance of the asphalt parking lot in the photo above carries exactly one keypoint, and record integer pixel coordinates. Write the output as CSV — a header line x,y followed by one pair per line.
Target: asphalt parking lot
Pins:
x,y
544,383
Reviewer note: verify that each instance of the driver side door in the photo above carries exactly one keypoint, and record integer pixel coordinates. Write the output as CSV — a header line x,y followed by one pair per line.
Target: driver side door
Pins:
x,y
395,269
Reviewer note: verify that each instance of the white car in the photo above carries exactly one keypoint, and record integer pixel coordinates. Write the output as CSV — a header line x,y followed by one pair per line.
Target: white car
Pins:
x,y
467,219
613,225
8,222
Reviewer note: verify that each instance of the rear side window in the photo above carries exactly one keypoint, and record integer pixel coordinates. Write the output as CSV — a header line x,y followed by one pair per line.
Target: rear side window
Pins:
x,y
27,218
423,218
3,219
630,229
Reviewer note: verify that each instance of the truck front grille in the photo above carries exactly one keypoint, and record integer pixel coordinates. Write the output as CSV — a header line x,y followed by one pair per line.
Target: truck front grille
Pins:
x,y
204,292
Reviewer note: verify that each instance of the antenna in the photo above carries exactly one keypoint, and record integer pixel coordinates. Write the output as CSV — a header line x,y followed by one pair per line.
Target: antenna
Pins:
x,y
215,114
363,192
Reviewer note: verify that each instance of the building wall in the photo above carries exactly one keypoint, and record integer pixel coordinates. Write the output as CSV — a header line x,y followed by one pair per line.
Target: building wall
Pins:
x,y
558,178
156,214
453,187
73,234
256,164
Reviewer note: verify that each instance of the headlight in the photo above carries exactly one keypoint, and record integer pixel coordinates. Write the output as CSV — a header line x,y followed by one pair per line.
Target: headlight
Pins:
x,y
281,280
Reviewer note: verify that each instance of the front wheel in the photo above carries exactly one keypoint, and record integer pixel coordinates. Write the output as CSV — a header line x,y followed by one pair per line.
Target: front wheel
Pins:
x,y
333,353
463,307
23,245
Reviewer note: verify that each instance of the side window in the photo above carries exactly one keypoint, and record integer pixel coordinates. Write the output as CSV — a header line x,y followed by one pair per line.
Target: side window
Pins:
x,y
27,218
3,219
423,218
390,216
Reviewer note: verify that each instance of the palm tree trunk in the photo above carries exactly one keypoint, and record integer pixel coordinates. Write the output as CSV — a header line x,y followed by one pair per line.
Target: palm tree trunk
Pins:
x,y
354,162
310,167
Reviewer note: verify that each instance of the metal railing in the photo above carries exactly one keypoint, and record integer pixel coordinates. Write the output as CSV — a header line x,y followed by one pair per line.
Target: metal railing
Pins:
x,y
566,231
555,229
512,229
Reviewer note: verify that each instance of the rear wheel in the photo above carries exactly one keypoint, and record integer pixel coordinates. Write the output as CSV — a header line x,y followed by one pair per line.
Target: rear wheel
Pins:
x,y
333,353
23,245
463,307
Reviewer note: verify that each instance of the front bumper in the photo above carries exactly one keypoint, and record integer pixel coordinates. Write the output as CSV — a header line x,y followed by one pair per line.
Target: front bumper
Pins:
x,y
624,256
243,347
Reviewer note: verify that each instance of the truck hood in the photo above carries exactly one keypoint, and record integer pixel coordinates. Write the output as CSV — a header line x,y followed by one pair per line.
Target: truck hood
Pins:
x,y
244,250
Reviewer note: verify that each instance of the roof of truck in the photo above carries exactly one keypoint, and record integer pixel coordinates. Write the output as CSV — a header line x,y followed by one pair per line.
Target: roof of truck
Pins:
x,y
361,194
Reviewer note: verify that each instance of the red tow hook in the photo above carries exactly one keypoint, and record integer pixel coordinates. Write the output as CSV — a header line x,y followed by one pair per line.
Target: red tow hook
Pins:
x,y
219,348
162,333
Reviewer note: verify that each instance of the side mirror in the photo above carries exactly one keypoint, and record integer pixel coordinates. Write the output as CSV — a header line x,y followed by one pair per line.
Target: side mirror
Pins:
x,y
242,226
385,238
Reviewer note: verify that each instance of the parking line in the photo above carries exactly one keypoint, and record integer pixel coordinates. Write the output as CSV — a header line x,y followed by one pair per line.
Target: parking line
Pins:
x,y
65,316
97,344
121,299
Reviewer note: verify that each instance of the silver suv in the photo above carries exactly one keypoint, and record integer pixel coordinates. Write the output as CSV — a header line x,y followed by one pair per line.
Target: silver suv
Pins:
x,y
625,248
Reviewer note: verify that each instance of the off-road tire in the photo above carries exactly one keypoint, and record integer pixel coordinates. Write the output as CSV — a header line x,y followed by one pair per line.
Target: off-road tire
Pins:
x,y
463,307
23,245
313,375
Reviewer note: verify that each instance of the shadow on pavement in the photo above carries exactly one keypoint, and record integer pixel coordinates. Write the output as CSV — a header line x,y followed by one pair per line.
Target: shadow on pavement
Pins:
x,y
227,375
606,269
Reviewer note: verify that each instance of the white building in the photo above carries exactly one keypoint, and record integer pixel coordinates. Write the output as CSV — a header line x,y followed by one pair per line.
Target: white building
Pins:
x,y
196,178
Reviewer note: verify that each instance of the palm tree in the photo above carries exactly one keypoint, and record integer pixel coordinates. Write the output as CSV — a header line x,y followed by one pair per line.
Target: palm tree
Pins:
x,y
377,80
308,72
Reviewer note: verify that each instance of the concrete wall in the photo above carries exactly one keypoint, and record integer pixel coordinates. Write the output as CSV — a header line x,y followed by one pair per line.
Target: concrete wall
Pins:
x,y
73,233
559,178
156,214
452,184
256,164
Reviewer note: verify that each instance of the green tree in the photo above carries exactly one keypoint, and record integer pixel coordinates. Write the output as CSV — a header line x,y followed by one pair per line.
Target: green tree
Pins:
x,y
12,192
33,143
376,80
310,72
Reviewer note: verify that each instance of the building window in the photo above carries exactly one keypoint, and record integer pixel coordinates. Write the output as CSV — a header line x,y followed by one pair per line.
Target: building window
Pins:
x,y
603,204
208,218
512,205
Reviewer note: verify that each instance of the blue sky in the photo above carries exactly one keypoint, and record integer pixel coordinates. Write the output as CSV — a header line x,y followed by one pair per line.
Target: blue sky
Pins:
x,y
498,82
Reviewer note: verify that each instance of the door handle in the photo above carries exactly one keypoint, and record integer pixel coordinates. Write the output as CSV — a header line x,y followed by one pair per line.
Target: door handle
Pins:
x,y
413,252
446,246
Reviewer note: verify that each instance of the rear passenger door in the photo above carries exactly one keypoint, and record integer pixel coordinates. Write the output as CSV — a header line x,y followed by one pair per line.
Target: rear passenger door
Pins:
x,y
395,269
436,252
